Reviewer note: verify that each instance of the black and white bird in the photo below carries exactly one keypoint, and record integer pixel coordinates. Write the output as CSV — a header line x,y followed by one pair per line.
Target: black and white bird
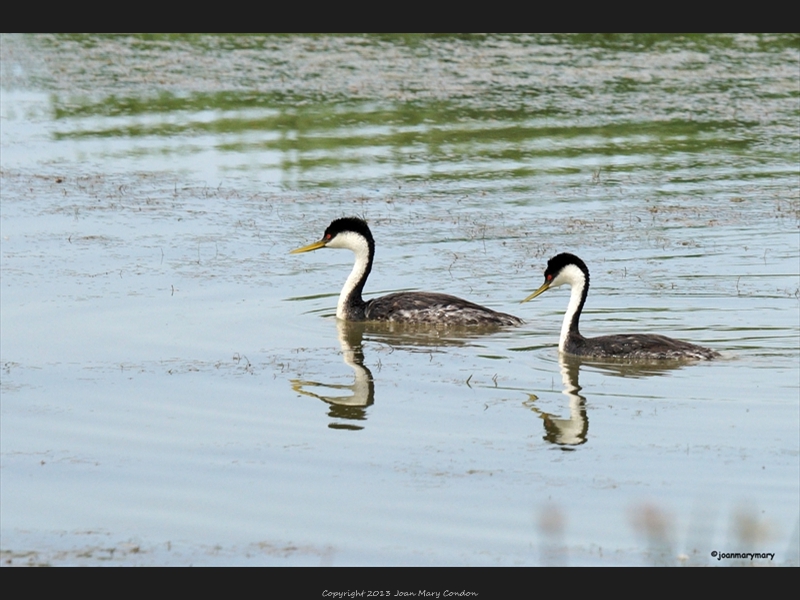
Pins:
x,y
569,269
404,307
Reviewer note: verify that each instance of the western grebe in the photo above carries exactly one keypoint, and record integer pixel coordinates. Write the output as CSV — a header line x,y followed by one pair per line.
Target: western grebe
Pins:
x,y
569,269
404,307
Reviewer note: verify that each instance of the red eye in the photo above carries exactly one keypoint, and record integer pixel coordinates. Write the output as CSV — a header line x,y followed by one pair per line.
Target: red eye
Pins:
x,y
548,277
327,236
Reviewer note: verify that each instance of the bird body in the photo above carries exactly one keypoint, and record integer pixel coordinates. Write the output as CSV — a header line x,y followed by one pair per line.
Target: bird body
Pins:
x,y
570,270
403,307
429,307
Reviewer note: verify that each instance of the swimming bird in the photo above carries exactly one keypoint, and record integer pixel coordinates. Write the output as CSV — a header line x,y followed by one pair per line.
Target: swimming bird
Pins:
x,y
405,307
569,269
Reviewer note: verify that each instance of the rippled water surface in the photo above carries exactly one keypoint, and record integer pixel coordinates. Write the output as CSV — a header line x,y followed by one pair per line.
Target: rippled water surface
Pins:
x,y
177,390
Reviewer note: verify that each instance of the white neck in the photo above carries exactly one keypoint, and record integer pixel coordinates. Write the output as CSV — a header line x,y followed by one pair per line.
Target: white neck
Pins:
x,y
575,278
358,244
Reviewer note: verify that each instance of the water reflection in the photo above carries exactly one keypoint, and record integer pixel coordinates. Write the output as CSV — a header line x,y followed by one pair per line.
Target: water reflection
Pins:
x,y
500,112
348,403
426,335
637,369
574,429
352,405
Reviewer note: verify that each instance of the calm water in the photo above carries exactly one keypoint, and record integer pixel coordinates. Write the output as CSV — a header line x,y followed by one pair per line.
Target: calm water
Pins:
x,y
176,390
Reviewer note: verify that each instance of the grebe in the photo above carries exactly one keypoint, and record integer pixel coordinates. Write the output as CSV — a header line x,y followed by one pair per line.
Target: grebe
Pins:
x,y
569,269
404,307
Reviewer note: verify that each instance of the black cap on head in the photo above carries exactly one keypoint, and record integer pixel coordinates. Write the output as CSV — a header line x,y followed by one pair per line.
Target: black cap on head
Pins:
x,y
344,224
559,261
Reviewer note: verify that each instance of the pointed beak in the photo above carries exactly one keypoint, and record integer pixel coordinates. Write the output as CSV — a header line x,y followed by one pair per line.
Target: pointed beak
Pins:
x,y
544,288
310,247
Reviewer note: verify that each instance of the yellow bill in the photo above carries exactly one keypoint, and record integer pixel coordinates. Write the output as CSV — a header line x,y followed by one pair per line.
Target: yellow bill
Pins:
x,y
544,288
310,247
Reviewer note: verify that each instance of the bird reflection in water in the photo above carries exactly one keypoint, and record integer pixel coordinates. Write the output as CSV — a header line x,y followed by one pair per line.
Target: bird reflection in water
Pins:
x,y
348,403
349,407
574,430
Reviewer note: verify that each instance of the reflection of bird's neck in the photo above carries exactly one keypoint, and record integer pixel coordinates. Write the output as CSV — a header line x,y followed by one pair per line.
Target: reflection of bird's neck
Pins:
x,y
570,371
350,339
578,280
351,305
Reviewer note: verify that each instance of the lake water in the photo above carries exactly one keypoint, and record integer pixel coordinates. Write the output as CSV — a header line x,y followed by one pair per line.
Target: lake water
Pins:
x,y
175,386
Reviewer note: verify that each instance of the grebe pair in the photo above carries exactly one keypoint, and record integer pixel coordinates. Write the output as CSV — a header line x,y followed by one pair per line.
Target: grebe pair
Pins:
x,y
426,307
